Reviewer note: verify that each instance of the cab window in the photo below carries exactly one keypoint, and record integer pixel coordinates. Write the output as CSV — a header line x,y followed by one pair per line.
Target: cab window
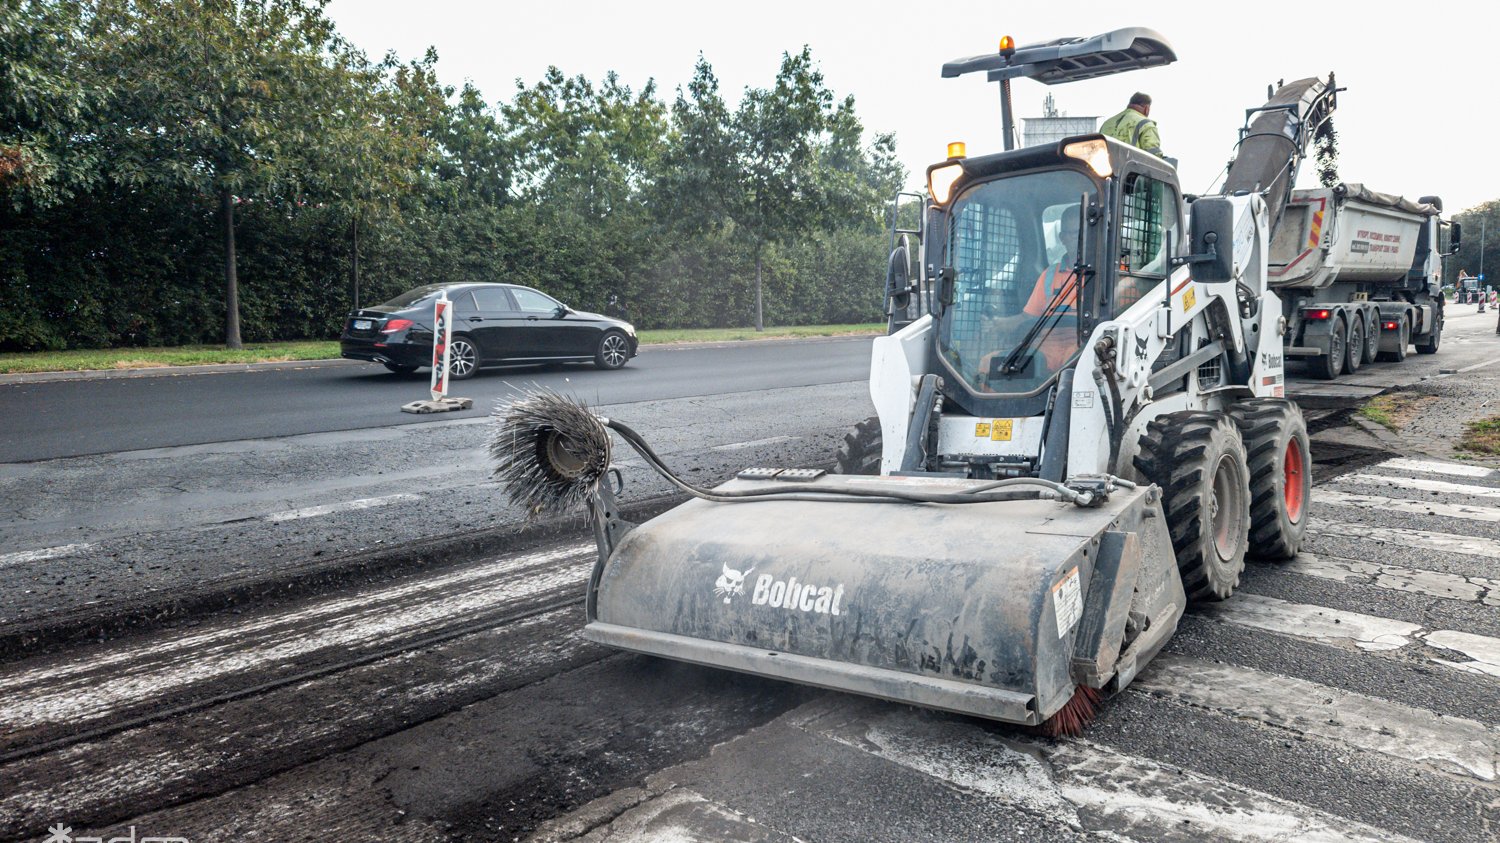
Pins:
x,y
1148,223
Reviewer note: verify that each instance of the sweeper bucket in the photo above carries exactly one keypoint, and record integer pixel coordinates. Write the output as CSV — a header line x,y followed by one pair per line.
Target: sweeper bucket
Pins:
x,y
1002,609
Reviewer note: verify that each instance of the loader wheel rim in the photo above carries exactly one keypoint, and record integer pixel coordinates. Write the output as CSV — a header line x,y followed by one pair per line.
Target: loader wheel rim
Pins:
x,y
1226,527
1294,488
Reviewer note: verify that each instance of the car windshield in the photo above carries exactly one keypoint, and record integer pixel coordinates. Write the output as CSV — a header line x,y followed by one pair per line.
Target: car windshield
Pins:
x,y
411,297
1011,245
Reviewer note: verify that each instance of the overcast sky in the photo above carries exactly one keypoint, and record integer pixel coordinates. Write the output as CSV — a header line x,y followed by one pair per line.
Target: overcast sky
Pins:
x,y
1411,121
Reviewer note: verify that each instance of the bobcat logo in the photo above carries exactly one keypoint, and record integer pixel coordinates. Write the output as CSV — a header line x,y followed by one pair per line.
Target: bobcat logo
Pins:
x,y
730,583
1140,348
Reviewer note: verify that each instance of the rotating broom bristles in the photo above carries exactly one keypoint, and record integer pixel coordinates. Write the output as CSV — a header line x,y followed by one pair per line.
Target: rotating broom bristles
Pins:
x,y
1075,715
551,452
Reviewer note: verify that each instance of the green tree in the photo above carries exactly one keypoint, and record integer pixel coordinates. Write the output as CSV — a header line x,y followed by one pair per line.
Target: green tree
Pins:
x,y
228,98
44,100
1481,234
784,165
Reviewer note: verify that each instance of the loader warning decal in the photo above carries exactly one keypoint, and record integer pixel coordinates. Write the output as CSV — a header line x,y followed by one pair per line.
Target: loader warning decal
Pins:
x,y
1067,602
998,430
1189,298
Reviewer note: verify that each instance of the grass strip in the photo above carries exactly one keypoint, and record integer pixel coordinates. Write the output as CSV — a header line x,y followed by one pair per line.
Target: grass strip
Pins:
x,y
200,355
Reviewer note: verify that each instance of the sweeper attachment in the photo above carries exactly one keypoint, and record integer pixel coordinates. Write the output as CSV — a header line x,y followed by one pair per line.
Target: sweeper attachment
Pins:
x,y
1018,600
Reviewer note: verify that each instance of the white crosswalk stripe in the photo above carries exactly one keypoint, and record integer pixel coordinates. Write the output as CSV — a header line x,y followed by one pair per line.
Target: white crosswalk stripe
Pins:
x,y
1067,781
1422,483
1333,497
1434,467
1396,578
1451,744
1406,537
1372,633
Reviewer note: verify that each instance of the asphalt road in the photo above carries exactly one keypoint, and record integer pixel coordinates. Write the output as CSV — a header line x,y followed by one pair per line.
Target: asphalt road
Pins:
x,y
73,418
1353,694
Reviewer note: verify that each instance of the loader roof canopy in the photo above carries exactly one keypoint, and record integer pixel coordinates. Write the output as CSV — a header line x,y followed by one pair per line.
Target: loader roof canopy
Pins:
x,y
1072,59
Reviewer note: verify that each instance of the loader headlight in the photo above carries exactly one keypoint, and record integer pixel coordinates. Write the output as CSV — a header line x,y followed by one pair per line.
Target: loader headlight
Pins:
x,y
1094,153
940,180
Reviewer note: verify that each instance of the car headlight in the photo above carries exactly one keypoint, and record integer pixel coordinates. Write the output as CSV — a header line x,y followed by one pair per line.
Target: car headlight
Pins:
x,y
630,329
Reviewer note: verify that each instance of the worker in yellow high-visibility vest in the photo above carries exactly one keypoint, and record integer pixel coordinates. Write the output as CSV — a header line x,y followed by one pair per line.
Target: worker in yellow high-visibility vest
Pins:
x,y
1135,126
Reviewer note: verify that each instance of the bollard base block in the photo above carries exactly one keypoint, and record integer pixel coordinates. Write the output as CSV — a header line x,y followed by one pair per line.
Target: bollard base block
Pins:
x,y
441,405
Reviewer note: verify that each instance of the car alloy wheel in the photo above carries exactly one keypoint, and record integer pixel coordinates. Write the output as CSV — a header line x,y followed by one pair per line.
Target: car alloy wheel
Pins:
x,y
613,351
463,361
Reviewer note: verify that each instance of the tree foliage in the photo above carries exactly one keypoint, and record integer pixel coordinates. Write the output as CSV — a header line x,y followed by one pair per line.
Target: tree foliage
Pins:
x,y
176,171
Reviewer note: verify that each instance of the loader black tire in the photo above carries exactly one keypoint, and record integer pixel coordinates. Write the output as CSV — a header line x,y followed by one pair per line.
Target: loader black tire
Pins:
x,y
860,451
1280,461
1198,460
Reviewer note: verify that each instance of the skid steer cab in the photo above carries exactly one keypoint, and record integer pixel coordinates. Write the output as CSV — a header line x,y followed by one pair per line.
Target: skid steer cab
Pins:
x,y
1069,316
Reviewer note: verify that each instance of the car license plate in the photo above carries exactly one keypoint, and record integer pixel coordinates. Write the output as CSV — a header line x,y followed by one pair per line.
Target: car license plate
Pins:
x,y
362,324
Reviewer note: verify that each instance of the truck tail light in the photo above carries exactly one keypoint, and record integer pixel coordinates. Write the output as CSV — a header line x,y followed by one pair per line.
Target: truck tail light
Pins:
x,y
1390,326
1318,314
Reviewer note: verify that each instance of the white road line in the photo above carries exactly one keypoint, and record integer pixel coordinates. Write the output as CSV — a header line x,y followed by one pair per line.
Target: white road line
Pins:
x,y
1406,537
1314,623
1335,627
346,506
754,443
97,696
1085,786
43,554
1431,583
1483,652
139,764
1452,744
228,637
1421,483
1333,497
1435,467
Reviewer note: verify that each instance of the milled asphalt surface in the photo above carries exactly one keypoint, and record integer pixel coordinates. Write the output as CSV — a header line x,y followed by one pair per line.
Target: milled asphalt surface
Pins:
x,y
499,733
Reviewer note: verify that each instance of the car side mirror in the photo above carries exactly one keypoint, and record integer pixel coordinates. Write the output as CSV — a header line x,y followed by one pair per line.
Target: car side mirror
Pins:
x,y
561,311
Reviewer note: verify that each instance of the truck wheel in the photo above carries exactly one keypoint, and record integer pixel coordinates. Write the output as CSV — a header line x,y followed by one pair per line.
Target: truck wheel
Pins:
x,y
1198,460
860,451
1403,339
1280,463
1430,345
1372,338
1354,349
1330,365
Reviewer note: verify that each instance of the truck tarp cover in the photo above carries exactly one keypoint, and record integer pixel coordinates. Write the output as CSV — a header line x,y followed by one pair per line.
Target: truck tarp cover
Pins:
x,y
1360,193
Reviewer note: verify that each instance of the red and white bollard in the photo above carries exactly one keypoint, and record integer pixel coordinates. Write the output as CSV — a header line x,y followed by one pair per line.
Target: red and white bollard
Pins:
x,y
442,337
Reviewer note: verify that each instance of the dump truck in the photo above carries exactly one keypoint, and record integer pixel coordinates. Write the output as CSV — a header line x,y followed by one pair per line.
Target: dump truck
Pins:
x,y
1081,428
1359,272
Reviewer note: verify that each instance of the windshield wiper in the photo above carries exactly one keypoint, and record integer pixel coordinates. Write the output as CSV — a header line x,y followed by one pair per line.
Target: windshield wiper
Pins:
x,y
1042,327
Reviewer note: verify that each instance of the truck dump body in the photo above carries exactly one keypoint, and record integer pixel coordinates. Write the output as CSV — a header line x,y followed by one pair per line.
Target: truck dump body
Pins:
x,y
1346,233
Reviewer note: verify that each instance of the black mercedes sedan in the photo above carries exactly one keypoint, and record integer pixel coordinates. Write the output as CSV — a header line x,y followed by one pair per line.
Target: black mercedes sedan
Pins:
x,y
492,324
